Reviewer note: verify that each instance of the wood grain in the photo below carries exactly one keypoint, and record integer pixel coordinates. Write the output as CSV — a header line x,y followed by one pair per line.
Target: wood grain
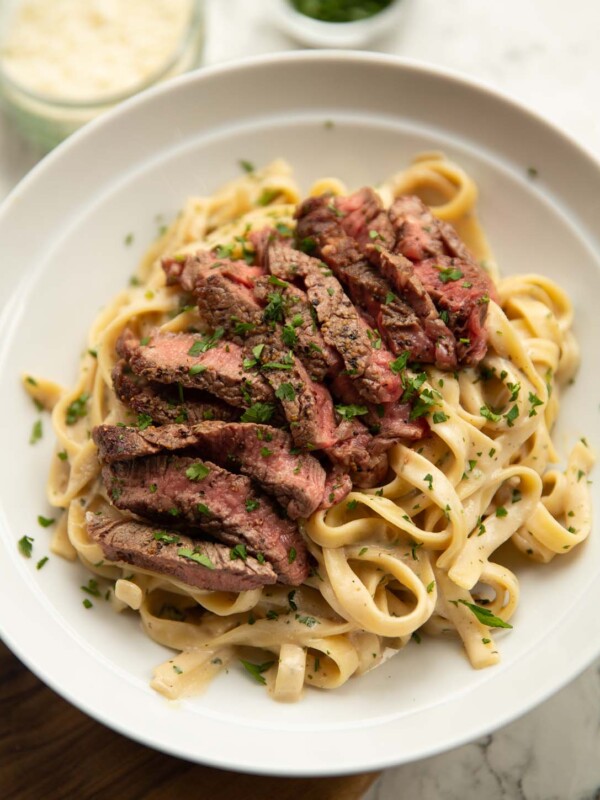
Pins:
x,y
50,750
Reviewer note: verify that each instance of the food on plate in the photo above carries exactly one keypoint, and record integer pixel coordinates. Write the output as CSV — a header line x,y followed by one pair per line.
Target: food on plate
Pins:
x,y
301,434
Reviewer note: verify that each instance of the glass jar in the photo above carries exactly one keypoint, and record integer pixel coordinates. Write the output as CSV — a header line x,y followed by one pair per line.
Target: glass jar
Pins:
x,y
64,62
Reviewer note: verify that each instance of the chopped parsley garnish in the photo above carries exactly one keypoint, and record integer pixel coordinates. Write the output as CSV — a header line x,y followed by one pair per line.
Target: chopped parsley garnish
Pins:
x,y
400,363
145,340
534,401
291,601
489,414
45,522
272,614
196,369
152,488
177,669
486,641
430,587
193,555
36,432
77,409
238,552
91,588
449,274
351,504
87,603
389,298
440,416
40,564
202,508
267,196
514,389
350,411
362,551
206,343
166,538
265,452
25,545
259,412
247,166
425,400
511,416
501,511
241,328
292,555
429,480
287,362
223,251
289,336
260,558
251,504
31,381
310,622
307,245
285,392
256,670
197,471
284,230
144,421
273,311
485,616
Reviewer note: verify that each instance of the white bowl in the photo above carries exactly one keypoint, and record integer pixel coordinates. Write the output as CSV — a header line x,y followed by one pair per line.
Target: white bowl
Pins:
x,y
62,232
315,33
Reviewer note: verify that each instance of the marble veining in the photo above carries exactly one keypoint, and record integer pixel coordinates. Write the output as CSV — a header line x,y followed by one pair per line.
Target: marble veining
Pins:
x,y
544,53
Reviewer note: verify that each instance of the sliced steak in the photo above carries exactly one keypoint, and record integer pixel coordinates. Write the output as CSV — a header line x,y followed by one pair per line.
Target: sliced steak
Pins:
x,y
387,422
337,486
363,217
222,288
462,290
356,452
296,480
166,403
397,304
307,405
218,370
301,330
341,324
417,230
401,275
157,550
200,494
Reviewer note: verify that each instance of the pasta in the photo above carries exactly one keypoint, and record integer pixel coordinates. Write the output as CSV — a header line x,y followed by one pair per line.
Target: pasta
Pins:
x,y
416,555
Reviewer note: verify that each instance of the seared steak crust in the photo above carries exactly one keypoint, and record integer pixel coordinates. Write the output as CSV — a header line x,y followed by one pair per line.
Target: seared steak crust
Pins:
x,y
156,550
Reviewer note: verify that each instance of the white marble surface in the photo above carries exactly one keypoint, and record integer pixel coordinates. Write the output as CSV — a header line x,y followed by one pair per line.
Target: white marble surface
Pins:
x,y
546,54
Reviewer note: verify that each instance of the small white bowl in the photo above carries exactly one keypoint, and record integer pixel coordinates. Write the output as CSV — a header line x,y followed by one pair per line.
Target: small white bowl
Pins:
x,y
315,33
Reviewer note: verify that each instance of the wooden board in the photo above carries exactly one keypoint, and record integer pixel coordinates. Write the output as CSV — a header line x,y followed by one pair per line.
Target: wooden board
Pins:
x,y
50,750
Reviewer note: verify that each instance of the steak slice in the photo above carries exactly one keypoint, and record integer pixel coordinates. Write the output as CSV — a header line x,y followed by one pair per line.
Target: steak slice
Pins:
x,y
417,230
463,291
218,370
156,550
166,403
200,494
301,330
403,313
402,277
337,486
296,481
387,422
341,324
223,290
363,218
355,452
